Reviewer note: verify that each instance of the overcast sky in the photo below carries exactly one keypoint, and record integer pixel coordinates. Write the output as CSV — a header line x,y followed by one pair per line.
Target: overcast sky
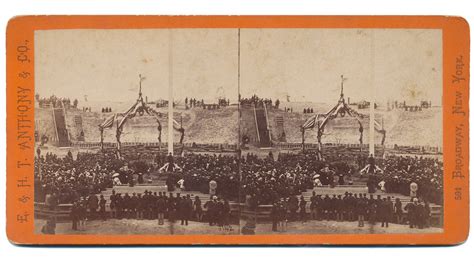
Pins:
x,y
303,63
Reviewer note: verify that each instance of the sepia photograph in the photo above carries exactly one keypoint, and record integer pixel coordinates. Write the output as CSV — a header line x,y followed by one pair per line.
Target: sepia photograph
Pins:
x,y
342,131
238,131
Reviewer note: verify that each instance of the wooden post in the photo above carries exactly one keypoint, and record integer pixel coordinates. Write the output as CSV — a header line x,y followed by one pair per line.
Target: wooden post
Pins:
x,y
372,99
170,92
302,138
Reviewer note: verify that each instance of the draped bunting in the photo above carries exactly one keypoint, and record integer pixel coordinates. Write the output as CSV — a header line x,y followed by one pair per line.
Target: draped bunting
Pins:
x,y
310,122
108,123
131,112
138,107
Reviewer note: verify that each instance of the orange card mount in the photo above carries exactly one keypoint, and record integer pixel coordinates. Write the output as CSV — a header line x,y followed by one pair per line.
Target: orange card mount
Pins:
x,y
237,130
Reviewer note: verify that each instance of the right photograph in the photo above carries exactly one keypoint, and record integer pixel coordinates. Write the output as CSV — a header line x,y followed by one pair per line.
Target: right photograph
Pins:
x,y
340,131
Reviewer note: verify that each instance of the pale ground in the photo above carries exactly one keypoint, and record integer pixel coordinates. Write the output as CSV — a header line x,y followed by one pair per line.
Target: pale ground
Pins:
x,y
333,227
138,227
151,227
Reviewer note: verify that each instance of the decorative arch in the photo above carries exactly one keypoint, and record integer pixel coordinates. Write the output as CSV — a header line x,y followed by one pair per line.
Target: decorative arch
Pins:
x,y
138,108
339,110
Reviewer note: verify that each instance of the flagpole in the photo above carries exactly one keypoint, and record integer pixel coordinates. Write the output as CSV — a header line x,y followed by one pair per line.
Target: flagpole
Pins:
x,y
238,92
170,92
372,98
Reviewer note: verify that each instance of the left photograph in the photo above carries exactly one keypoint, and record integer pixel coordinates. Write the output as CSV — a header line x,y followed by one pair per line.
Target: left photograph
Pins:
x,y
137,132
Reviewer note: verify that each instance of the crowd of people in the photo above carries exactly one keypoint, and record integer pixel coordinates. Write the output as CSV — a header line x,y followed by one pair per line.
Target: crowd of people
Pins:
x,y
106,110
308,110
163,103
267,180
151,206
56,102
68,178
197,170
427,173
223,102
192,102
350,207
258,102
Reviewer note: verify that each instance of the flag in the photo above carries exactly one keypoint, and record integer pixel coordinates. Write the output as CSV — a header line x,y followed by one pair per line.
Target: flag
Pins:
x,y
108,123
310,122
176,125
132,111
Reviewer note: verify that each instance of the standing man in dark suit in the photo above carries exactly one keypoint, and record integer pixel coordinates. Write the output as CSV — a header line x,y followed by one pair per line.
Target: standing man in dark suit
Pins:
x,y
102,203
161,208
293,206
386,210
113,207
93,204
302,206
75,215
314,206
